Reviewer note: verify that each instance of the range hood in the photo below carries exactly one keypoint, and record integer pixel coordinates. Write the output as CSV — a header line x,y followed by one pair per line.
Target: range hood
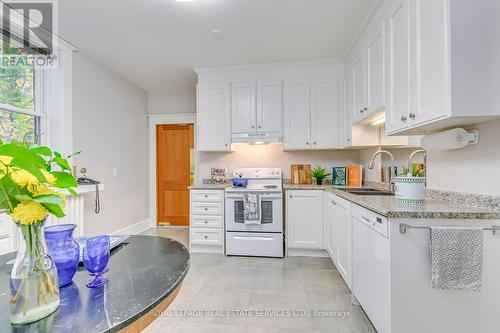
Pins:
x,y
256,137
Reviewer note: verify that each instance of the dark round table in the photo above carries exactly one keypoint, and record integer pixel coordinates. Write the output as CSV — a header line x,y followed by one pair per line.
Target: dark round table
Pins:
x,y
145,274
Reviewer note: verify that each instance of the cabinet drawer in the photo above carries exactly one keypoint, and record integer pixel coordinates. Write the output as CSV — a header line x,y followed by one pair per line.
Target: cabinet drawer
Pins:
x,y
373,220
207,221
206,236
207,196
206,208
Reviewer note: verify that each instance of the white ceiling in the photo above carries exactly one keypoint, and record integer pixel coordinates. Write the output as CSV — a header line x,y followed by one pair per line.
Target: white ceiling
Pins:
x,y
156,43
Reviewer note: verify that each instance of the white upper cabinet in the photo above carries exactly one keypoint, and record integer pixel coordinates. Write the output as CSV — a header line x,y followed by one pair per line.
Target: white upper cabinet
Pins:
x,y
358,75
297,114
213,117
375,83
398,67
430,67
440,59
325,118
269,106
243,110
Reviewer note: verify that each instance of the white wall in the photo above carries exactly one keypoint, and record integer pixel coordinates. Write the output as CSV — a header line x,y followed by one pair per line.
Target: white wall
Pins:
x,y
475,168
110,128
272,155
172,102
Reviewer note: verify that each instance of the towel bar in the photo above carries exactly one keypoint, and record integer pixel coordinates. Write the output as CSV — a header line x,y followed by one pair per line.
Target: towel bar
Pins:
x,y
403,227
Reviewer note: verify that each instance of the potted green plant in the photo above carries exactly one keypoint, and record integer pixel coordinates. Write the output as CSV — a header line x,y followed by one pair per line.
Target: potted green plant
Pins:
x,y
30,177
319,174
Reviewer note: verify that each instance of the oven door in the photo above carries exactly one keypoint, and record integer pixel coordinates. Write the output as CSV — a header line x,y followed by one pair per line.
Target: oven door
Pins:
x,y
271,210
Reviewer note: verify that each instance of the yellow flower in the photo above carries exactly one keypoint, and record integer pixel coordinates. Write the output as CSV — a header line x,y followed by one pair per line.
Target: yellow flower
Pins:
x,y
5,160
24,178
51,179
42,189
28,212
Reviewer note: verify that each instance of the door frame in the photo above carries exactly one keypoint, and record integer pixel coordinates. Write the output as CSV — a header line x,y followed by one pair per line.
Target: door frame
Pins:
x,y
164,119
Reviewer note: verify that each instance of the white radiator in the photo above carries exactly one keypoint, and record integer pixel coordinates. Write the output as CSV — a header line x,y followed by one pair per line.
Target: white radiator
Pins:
x,y
74,214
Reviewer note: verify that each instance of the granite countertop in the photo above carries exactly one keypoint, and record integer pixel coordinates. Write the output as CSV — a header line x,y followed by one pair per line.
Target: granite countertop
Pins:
x,y
142,272
390,207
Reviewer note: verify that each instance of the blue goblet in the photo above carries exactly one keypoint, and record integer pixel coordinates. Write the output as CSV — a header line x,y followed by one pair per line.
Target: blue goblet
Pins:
x,y
95,259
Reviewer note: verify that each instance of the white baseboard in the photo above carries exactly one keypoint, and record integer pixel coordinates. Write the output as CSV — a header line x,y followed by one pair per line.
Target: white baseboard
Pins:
x,y
307,253
134,229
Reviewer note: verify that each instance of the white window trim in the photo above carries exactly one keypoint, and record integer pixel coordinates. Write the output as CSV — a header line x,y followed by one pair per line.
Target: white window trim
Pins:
x,y
164,119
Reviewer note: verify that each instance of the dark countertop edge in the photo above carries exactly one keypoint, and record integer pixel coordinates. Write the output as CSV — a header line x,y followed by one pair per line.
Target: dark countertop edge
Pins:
x,y
485,215
150,307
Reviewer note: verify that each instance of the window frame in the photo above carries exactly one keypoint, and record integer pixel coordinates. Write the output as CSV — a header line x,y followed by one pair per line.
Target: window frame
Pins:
x,y
39,109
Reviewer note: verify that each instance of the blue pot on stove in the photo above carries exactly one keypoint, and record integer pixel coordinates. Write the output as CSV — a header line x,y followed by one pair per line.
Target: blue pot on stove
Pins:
x,y
240,182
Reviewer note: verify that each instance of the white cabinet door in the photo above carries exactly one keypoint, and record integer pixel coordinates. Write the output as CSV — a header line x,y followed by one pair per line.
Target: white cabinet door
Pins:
x,y
358,83
269,106
346,111
325,115
304,219
344,240
297,113
375,71
398,68
430,42
213,118
331,227
243,107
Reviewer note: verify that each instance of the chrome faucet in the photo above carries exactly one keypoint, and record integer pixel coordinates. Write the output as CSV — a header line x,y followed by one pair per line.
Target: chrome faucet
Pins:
x,y
393,164
410,159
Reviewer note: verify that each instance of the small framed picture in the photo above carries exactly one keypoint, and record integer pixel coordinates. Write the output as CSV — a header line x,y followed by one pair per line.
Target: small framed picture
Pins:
x,y
339,176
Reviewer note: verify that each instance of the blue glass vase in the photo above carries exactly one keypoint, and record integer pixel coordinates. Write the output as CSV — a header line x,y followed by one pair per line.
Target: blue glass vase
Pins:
x,y
64,250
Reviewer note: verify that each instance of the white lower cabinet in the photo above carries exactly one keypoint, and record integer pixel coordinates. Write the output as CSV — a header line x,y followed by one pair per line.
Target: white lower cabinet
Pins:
x,y
206,230
341,233
331,227
304,219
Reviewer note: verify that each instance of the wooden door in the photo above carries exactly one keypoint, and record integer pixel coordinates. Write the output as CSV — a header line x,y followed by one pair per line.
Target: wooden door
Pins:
x,y
173,173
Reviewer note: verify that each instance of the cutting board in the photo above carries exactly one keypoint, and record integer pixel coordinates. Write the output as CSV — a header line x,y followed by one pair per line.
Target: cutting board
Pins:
x,y
301,174
354,175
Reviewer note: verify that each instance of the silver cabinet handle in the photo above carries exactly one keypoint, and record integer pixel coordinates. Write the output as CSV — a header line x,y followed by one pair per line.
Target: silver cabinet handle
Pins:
x,y
314,142
206,236
365,108
206,196
348,140
253,126
291,196
206,222
206,208
260,126
361,111
403,119
412,115
307,143
225,144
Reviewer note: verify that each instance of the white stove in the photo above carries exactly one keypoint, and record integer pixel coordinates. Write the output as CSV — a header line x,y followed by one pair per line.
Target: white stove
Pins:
x,y
264,239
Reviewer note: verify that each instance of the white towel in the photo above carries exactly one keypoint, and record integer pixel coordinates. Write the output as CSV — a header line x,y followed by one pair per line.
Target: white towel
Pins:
x,y
251,209
456,258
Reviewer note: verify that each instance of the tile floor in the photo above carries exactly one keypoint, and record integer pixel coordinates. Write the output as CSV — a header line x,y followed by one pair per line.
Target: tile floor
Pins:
x,y
298,287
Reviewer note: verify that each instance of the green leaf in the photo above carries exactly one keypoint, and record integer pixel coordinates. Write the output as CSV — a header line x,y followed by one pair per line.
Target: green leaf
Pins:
x,y
62,163
64,180
73,192
20,152
49,199
23,197
56,210
42,150
29,167
56,154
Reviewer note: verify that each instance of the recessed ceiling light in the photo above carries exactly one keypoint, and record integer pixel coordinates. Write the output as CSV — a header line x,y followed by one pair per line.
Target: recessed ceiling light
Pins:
x,y
216,33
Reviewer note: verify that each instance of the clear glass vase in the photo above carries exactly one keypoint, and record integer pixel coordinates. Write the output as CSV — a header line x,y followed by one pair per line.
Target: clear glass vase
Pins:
x,y
33,280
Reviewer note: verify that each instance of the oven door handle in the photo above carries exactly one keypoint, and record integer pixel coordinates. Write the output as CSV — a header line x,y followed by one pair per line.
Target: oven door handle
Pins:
x,y
254,238
262,196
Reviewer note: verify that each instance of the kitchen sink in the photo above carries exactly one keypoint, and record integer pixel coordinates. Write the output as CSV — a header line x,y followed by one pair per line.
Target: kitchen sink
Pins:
x,y
366,191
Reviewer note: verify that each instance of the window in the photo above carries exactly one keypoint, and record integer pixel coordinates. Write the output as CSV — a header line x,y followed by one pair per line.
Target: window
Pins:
x,y
20,112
